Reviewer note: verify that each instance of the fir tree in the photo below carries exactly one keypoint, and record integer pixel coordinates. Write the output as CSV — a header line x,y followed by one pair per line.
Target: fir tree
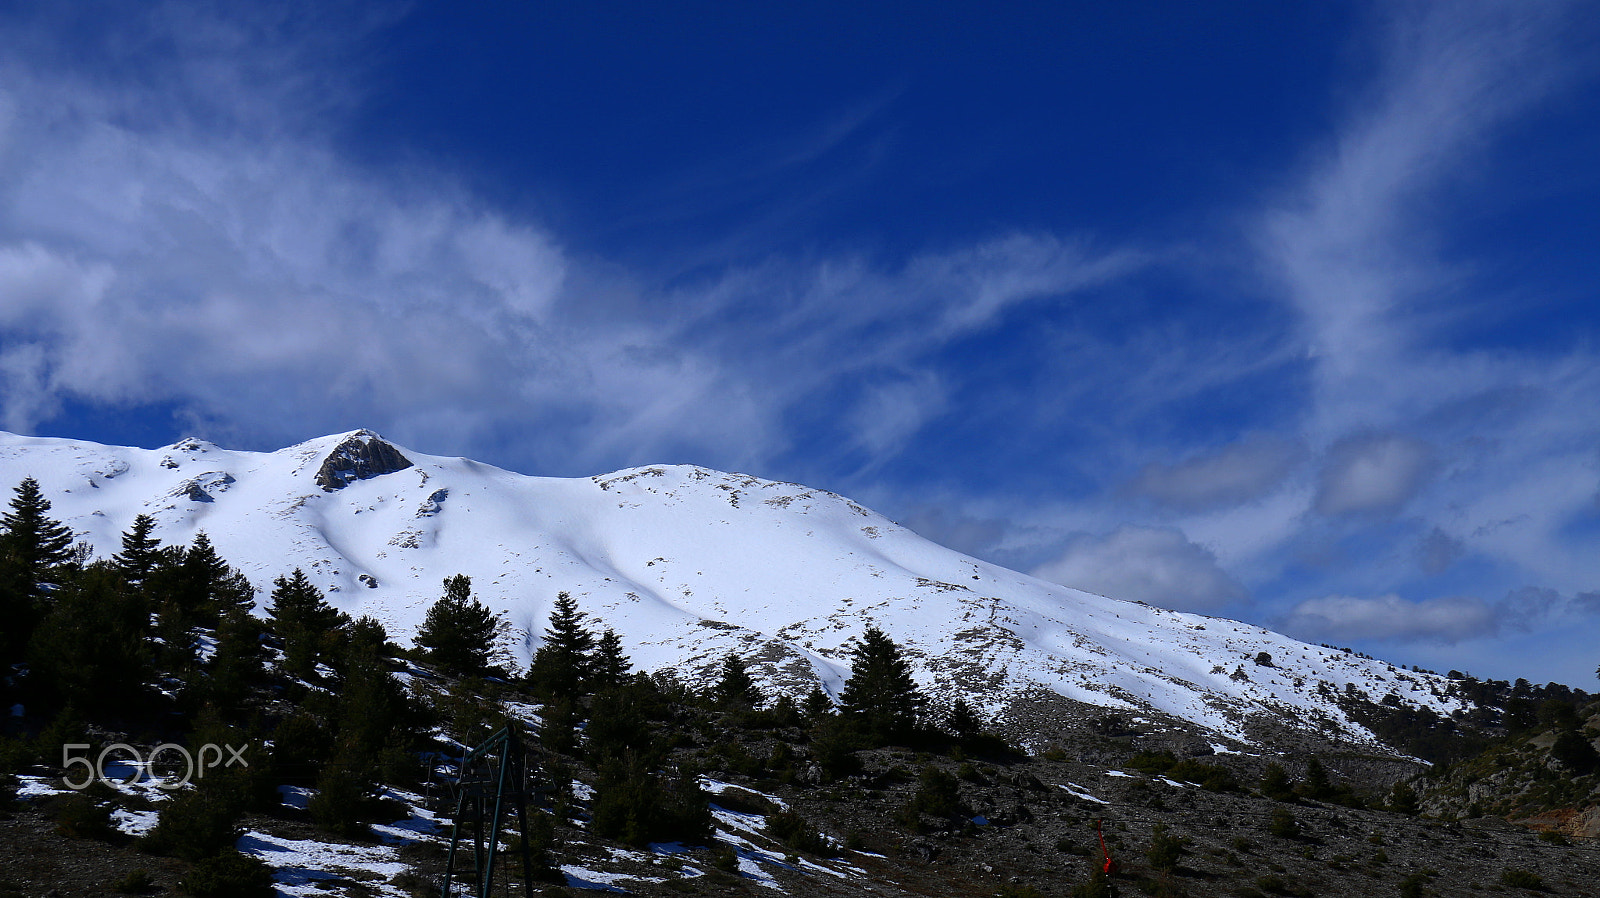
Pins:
x,y
817,706
239,662
963,722
93,649
1316,787
880,698
562,667
141,553
34,551
460,634
611,665
1275,783
305,622
33,544
735,689
205,587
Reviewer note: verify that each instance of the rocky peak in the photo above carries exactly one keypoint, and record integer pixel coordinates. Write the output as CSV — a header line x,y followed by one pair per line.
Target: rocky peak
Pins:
x,y
360,456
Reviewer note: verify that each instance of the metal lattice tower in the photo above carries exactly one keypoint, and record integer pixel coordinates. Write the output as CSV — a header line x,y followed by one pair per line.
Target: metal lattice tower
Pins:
x,y
492,786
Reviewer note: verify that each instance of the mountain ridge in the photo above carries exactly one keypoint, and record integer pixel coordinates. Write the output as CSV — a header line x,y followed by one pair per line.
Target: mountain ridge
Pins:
x,y
689,564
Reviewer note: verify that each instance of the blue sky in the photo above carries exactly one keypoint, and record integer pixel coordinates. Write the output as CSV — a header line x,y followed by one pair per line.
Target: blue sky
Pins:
x,y
1279,311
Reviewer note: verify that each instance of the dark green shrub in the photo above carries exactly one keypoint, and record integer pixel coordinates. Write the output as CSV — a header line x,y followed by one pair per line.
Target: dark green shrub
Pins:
x,y
636,806
1517,878
137,882
229,875
196,823
1098,886
79,816
346,801
937,795
1283,824
1413,886
1276,785
1165,849
1403,799
795,832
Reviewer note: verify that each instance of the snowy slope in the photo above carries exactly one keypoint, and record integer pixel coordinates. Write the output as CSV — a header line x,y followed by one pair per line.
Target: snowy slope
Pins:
x,y
688,564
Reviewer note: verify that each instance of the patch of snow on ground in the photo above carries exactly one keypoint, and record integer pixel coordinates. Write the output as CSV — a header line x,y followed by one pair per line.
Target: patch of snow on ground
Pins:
x,y
306,867
526,713
717,787
39,786
593,880
1077,791
134,823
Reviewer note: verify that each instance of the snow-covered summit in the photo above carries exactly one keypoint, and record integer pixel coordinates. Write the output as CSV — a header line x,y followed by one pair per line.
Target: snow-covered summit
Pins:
x,y
688,564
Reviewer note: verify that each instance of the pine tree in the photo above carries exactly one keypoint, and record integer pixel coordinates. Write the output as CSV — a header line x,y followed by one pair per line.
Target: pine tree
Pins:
x,y
305,622
93,650
880,698
611,665
963,722
563,666
460,634
33,543
34,551
817,706
141,553
1316,787
239,661
205,587
735,689
1275,783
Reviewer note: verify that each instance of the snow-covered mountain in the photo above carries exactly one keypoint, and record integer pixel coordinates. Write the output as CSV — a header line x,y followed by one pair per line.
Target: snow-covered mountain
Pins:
x,y
689,564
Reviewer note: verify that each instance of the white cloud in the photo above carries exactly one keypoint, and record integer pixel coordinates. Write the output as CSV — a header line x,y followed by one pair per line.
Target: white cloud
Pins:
x,y
1158,566
1339,618
1238,472
188,238
1373,474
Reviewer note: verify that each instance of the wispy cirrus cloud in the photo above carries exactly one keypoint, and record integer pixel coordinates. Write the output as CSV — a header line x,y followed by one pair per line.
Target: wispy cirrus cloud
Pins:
x,y
189,239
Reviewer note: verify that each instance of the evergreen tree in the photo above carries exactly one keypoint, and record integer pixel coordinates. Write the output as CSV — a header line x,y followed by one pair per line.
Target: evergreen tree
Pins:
x,y
141,553
563,666
963,722
1316,787
635,805
881,699
238,664
1574,750
460,634
1275,783
735,689
92,650
611,665
305,622
33,545
34,551
205,587
1165,849
817,706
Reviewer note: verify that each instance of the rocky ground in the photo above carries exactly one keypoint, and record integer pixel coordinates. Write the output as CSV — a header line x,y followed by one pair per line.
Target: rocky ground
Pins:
x,y
1022,826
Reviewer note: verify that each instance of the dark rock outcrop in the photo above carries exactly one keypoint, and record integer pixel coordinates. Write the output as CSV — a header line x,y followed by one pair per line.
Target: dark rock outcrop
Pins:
x,y
362,456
